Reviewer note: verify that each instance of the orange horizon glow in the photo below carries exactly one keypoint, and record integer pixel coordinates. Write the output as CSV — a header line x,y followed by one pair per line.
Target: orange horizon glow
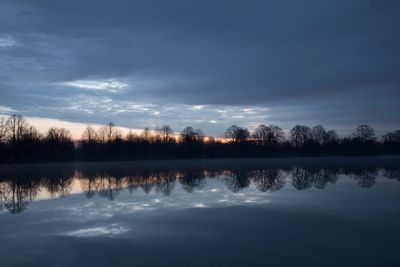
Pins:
x,y
77,128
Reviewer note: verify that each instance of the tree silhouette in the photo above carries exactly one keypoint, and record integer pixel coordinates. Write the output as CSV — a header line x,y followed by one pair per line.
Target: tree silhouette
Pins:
x,y
318,134
16,126
189,135
165,132
300,134
330,137
392,137
131,137
365,133
146,134
268,135
3,129
59,141
102,134
89,134
20,142
112,132
88,141
237,134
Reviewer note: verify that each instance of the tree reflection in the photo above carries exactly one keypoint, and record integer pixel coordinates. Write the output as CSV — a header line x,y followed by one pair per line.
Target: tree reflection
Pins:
x,y
14,198
365,178
268,180
321,177
58,186
237,179
302,178
88,185
22,185
16,193
165,182
191,180
392,173
108,186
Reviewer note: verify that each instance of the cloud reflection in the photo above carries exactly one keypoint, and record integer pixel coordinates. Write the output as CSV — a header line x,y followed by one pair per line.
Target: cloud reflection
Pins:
x,y
109,188
104,231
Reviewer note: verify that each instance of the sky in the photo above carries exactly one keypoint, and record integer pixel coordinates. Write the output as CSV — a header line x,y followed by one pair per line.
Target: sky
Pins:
x,y
207,64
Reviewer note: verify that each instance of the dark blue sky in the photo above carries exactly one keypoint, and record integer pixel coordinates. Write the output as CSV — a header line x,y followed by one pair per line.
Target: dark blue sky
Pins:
x,y
208,64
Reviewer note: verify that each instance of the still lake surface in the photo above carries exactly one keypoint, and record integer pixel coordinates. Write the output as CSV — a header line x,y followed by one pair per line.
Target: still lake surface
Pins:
x,y
252,212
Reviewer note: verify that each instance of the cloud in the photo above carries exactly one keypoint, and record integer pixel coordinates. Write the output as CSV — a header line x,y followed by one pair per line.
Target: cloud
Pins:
x,y
198,107
7,41
335,63
102,85
6,110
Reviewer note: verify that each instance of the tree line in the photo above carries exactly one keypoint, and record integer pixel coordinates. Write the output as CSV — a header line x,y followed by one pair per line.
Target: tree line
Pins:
x,y
22,142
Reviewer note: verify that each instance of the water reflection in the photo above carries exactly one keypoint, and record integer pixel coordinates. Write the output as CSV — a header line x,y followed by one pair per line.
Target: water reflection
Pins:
x,y
21,184
304,178
269,180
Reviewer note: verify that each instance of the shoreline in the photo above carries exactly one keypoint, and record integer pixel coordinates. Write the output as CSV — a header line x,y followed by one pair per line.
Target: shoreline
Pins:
x,y
200,161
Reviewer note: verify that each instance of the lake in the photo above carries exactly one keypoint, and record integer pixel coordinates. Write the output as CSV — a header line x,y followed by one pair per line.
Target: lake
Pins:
x,y
250,212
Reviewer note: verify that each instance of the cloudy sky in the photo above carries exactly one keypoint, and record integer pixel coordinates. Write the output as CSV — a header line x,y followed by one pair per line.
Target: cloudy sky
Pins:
x,y
206,63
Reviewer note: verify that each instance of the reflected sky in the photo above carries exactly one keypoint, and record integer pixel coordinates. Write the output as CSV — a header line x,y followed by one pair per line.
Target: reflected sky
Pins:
x,y
205,204
153,189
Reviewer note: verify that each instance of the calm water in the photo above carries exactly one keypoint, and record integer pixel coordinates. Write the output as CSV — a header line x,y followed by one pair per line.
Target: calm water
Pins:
x,y
271,212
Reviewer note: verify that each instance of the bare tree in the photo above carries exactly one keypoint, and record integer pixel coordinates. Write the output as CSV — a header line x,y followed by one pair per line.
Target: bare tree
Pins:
x,y
331,137
3,128
200,134
110,131
164,132
365,133
237,134
89,134
117,134
31,134
59,136
300,134
89,140
318,134
59,141
146,134
16,125
130,136
189,134
261,134
275,134
102,134
392,137
268,135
